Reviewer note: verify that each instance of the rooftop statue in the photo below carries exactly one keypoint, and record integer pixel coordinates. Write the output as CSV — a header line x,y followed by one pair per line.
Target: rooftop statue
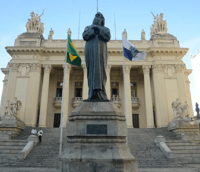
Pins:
x,y
96,37
159,25
124,33
143,35
34,24
51,32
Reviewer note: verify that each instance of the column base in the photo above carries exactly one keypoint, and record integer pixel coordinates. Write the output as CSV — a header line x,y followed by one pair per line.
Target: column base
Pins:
x,y
161,126
150,126
42,126
130,126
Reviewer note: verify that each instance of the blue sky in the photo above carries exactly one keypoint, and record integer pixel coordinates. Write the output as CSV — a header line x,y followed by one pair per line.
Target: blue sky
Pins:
x,y
182,18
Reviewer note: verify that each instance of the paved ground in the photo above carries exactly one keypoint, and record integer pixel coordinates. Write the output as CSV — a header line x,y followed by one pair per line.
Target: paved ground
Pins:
x,y
194,169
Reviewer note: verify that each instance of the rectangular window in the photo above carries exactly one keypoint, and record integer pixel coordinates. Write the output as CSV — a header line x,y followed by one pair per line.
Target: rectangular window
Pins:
x,y
59,92
56,120
78,92
115,89
133,89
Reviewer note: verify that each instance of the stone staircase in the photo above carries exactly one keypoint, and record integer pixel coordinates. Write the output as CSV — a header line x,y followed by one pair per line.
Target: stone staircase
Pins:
x,y
10,149
185,151
45,154
140,141
143,148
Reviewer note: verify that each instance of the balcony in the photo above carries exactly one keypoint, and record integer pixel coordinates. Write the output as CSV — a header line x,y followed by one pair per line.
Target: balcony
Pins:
x,y
76,101
116,101
135,102
57,102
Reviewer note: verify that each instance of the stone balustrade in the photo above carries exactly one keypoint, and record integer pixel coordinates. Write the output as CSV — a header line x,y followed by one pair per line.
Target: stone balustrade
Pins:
x,y
116,101
135,102
76,101
57,102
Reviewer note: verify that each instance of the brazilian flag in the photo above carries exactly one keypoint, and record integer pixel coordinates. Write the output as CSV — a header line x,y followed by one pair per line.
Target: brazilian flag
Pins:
x,y
73,57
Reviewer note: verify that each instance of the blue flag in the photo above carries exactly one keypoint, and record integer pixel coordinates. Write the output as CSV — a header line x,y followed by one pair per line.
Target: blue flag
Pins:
x,y
131,53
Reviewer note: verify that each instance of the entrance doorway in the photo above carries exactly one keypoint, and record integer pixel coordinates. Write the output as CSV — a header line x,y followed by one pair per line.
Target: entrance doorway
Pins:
x,y
56,120
135,118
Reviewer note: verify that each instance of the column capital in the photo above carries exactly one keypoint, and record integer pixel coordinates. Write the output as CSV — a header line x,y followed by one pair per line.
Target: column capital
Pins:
x,y
5,81
68,68
180,67
14,66
47,68
127,69
35,67
84,68
108,68
158,68
146,68
5,70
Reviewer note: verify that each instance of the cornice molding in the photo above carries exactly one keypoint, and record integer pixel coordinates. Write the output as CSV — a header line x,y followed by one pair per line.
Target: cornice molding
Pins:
x,y
153,51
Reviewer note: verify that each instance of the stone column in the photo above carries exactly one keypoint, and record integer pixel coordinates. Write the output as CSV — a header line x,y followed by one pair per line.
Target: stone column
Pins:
x,y
181,82
108,68
85,82
33,94
12,80
44,97
148,97
187,83
66,95
161,110
4,92
128,105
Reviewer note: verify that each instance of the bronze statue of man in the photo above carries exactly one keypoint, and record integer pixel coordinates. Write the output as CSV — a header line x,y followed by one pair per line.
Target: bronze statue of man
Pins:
x,y
96,37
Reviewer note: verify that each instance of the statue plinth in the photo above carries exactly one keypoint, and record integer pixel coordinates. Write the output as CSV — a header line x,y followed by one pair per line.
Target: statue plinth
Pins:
x,y
10,126
184,128
96,136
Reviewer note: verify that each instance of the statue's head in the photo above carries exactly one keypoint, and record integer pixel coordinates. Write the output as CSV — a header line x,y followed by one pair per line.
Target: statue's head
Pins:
x,y
161,15
32,14
99,19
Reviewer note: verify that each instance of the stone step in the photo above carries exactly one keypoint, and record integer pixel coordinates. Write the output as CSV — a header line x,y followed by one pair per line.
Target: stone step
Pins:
x,y
192,147
141,142
9,151
11,147
13,143
182,144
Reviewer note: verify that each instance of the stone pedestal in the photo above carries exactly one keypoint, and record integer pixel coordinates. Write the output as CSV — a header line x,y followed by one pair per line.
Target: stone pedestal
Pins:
x,y
184,128
96,133
10,127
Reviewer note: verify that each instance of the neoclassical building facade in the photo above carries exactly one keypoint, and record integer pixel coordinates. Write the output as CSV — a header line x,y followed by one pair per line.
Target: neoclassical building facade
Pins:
x,y
35,76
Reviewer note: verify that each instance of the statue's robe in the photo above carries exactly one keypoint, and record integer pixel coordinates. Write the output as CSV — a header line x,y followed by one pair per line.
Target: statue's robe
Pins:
x,y
96,60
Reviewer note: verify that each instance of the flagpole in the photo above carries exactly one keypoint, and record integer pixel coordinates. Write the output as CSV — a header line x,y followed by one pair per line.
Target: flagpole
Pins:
x,y
124,83
63,102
